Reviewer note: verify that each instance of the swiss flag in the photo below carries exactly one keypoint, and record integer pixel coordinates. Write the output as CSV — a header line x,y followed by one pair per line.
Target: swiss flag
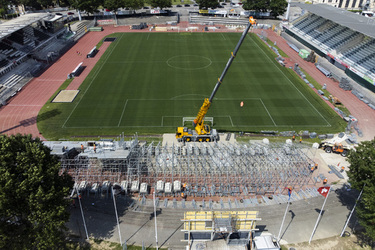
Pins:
x,y
323,191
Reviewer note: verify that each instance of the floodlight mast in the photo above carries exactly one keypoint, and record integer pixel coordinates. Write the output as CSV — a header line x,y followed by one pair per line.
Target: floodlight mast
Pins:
x,y
203,132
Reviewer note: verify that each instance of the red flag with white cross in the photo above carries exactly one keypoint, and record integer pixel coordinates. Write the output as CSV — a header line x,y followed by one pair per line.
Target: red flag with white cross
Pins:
x,y
323,191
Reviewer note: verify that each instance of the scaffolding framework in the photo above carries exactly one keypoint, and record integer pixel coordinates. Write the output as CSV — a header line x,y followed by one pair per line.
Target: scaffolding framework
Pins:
x,y
205,169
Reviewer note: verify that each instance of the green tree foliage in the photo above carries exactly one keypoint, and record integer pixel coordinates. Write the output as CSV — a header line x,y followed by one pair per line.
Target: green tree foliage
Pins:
x,y
134,4
90,6
362,174
46,3
277,7
113,5
161,3
33,211
257,5
205,4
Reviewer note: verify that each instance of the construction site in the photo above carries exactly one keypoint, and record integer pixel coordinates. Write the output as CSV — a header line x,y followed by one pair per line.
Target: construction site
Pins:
x,y
193,170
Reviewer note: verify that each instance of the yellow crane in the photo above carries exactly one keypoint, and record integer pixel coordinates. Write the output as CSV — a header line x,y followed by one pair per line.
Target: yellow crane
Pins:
x,y
202,132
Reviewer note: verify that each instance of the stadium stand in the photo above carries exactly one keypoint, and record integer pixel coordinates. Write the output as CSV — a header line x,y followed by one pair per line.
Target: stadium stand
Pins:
x,y
28,45
348,44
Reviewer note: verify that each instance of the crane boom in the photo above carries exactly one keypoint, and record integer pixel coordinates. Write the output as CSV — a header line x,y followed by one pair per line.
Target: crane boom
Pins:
x,y
200,128
207,102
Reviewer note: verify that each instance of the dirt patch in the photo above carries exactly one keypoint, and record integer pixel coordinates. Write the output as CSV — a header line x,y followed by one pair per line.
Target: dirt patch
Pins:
x,y
66,96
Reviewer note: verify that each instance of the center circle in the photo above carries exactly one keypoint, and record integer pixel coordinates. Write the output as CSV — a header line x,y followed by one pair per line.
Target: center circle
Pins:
x,y
189,62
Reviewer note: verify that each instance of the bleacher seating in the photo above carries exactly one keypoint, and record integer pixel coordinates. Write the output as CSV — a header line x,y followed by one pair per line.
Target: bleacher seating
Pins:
x,y
3,63
330,36
41,36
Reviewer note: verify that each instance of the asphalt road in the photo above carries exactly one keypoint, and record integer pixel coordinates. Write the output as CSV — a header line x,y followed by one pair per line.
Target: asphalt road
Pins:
x,y
137,223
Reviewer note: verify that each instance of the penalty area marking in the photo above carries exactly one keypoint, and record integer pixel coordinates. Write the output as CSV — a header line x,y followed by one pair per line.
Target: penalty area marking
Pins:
x,y
122,114
225,116
274,64
267,111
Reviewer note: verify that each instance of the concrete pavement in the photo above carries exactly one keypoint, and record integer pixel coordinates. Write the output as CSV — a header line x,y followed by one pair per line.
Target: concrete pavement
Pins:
x,y
137,222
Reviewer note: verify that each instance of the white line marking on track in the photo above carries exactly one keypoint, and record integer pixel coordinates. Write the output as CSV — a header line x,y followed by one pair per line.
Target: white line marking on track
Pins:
x,y
18,105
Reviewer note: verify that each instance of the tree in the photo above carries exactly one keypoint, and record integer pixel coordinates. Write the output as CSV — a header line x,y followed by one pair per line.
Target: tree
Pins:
x,y
90,6
33,210
205,4
276,7
113,4
362,175
256,5
134,4
161,3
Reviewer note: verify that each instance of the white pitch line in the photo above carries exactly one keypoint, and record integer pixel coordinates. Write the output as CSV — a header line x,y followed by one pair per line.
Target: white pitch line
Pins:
x,y
223,36
230,118
96,74
148,36
122,114
273,63
267,111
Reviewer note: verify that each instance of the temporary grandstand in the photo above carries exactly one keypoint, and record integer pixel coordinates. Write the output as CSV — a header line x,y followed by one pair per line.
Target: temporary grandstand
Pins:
x,y
198,170
346,39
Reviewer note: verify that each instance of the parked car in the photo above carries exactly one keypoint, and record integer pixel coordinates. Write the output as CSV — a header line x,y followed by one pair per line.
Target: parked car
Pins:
x,y
58,14
223,4
178,5
70,13
187,5
195,5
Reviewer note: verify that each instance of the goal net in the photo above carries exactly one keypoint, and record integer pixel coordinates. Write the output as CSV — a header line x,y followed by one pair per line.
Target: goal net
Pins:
x,y
191,119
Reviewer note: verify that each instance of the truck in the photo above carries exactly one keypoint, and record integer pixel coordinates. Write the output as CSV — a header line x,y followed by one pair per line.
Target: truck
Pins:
x,y
340,144
202,132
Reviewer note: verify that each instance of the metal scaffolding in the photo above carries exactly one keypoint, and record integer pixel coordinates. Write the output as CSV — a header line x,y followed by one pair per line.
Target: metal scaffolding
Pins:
x,y
197,169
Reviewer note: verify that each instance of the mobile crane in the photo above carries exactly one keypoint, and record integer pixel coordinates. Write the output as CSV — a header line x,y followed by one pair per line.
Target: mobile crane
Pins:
x,y
203,132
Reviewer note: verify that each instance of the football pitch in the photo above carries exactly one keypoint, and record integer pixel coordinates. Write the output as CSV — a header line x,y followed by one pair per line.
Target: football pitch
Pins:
x,y
147,83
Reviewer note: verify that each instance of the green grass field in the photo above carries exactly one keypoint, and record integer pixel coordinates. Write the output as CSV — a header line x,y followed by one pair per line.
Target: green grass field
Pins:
x,y
147,82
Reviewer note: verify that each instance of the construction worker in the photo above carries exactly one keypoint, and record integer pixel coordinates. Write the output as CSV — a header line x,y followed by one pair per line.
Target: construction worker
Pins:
x,y
312,169
316,165
94,147
300,140
182,195
342,169
82,148
325,181
293,138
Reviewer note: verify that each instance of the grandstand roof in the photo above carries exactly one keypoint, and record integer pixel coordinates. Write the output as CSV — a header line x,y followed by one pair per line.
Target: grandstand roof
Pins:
x,y
7,28
345,18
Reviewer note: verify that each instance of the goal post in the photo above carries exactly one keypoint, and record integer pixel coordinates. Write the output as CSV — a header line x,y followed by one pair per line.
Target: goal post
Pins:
x,y
191,119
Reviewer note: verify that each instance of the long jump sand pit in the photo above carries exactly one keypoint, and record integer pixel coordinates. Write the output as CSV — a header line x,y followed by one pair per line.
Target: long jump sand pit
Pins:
x,y
66,96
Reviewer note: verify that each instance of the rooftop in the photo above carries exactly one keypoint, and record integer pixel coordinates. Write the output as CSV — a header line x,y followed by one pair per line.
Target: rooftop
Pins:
x,y
345,18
